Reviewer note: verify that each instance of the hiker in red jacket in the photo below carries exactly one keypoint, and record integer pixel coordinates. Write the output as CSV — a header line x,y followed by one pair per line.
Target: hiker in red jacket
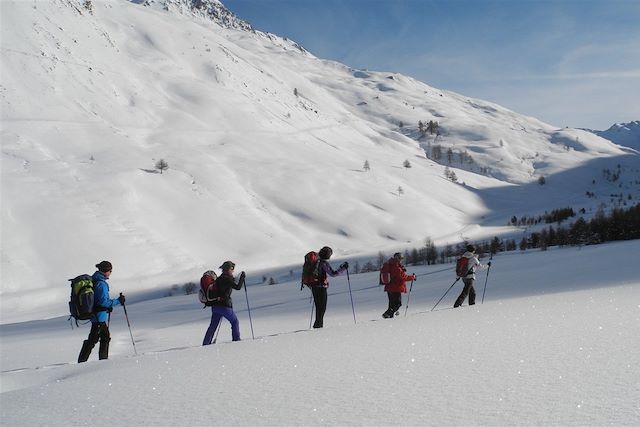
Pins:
x,y
396,286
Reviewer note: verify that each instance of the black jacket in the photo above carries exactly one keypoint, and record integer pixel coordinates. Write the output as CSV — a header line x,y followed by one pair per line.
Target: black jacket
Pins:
x,y
225,284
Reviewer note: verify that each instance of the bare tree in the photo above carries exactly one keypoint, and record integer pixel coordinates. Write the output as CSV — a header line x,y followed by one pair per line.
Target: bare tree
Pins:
x,y
161,165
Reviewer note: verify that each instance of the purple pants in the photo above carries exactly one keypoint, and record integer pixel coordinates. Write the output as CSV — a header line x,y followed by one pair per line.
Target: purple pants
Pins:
x,y
218,313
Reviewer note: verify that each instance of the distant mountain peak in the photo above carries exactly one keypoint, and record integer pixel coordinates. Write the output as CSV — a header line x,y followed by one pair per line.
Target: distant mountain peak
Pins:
x,y
212,9
627,134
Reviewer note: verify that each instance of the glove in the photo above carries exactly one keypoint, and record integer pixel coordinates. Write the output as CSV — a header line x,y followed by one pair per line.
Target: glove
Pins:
x,y
489,263
122,299
345,265
241,279
413,276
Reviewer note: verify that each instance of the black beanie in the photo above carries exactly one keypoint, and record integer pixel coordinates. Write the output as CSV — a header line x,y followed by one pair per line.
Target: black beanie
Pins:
x,y
227,265
104,266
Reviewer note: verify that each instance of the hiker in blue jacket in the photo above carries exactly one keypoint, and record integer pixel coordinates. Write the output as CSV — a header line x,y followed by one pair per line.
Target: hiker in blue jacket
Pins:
x,y
102,307
223,306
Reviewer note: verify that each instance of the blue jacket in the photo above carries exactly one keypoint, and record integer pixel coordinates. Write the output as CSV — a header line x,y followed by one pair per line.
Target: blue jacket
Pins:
x,y
102,303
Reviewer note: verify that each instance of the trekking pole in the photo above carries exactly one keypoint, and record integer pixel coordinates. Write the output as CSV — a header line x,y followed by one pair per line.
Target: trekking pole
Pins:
x,y
485,283
351,295
217,332
248,308
312,307
457,278
129,325
408,298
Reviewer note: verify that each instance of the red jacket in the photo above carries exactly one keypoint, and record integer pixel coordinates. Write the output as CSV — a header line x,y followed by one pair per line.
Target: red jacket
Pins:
x,y
398,277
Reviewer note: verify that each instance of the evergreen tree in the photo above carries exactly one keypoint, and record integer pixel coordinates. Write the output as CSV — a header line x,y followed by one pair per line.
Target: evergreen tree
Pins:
x,y
496,245
449,155
524,244
415,257
436,152
431,251
432,127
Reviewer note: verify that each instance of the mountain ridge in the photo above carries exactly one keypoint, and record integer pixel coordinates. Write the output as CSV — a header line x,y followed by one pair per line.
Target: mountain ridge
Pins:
x,y
266,146
626,134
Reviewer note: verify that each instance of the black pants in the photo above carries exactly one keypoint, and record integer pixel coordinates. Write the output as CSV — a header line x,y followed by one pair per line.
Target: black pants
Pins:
x,y
395,302
320,301
99,332
467,290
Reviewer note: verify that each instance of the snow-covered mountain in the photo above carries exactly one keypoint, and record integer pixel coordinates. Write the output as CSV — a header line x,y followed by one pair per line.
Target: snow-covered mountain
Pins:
x,y
266,146
627,134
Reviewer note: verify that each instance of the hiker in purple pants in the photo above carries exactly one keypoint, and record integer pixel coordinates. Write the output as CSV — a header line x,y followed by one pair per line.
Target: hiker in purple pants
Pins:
x,y
223,306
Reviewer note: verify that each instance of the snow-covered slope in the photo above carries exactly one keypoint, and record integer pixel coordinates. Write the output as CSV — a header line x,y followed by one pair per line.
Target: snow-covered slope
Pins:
x,y
555,343
627,134
265,144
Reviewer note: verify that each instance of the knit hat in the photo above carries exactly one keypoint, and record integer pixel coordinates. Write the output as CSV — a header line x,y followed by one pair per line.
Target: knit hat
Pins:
x,y
104,266
471,248
227,265
325,252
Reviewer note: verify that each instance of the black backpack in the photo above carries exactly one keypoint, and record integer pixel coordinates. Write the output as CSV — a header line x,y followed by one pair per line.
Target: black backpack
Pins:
x,y
82,297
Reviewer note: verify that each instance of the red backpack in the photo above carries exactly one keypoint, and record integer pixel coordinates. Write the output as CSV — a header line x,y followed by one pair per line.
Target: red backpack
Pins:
x,y
208,292
385,274
310,269
462,266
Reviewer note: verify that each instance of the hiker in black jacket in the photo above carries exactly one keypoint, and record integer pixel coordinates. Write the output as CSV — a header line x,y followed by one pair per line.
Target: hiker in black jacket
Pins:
x,y
223,306
319,290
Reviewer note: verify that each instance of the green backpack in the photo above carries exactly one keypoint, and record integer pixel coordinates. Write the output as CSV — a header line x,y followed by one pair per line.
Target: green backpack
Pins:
x,y
82,297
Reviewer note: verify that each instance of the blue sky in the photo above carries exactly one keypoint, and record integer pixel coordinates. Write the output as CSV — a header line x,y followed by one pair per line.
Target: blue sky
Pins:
x,y
567,62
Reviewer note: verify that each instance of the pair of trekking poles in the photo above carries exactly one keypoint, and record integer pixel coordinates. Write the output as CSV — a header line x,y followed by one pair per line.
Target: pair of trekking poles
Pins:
x,y
456,281
246,294
126,315
353,310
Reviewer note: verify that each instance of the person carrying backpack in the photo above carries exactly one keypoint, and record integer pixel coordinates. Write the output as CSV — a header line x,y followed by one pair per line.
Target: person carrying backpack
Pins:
x,y
396,286
102,307
468,278
223,306
319,289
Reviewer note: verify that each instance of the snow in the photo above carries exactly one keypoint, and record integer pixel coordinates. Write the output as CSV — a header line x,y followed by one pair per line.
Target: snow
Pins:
x,y
266,145
554,343
627,134
257,173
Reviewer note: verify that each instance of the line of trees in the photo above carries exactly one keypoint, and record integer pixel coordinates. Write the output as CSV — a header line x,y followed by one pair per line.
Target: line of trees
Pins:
x,y
556,215
619,224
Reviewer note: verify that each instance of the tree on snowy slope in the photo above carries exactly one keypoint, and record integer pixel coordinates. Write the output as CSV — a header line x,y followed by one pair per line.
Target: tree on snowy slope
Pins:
x,y
161,165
